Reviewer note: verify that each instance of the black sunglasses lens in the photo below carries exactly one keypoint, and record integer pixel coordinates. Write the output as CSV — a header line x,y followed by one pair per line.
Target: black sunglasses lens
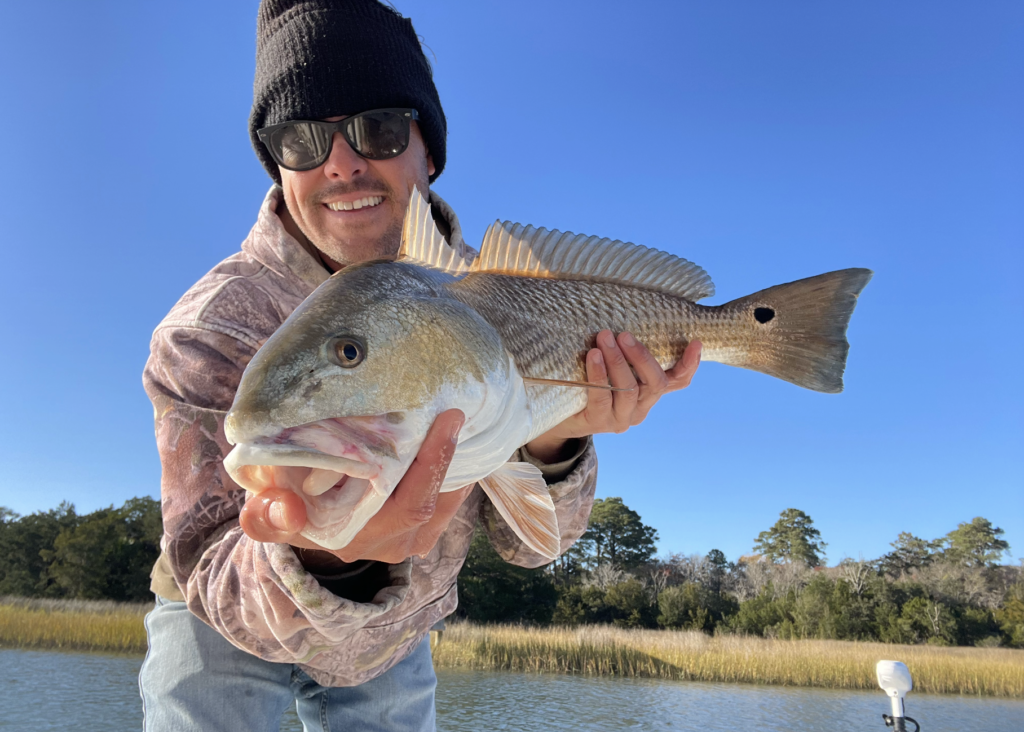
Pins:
x,y
378,135
305,145
301,145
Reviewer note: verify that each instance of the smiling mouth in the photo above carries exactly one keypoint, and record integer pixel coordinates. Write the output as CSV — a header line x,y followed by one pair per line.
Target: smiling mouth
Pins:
x,y
365,202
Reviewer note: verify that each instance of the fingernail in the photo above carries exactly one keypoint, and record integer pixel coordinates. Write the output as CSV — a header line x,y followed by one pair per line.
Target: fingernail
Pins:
x,y
275,516
456,428
628,339
607,339
598,357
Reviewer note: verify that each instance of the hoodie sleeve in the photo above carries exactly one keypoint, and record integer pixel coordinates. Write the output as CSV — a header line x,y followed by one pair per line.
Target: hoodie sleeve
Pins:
x,y
257,595
573,496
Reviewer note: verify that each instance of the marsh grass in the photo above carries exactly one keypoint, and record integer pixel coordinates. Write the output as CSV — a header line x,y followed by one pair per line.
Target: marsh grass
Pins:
x,y
609,651
587,650
73,625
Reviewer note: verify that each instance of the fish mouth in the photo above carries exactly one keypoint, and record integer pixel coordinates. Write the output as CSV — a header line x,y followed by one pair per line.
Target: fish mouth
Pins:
x,y
337,466
257,455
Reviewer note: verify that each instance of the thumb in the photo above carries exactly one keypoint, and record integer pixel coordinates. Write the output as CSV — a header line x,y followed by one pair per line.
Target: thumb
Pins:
x,y
273,516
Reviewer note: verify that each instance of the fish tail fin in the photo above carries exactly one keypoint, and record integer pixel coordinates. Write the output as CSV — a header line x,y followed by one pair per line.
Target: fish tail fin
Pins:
x,y
799,329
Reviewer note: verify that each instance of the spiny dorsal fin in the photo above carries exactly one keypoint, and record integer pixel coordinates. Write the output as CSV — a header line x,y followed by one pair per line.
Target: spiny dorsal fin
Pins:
x,y
423,244
514,249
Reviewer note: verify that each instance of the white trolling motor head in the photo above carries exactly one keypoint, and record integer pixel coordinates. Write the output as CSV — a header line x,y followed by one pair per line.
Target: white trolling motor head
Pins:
x,y
894,678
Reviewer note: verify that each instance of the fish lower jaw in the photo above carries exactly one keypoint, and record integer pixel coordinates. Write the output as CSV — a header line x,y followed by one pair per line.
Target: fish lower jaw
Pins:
x,y
246,456
336,520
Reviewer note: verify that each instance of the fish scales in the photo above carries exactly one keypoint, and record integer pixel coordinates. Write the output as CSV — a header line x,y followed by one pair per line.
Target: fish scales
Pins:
x,y
549,325
336,404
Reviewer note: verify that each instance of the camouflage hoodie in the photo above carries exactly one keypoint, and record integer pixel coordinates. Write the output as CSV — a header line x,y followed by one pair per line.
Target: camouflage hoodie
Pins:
x,y
258,595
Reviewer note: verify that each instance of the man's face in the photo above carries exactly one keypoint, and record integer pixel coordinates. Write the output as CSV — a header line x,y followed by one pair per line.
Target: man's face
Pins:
x,y
373,231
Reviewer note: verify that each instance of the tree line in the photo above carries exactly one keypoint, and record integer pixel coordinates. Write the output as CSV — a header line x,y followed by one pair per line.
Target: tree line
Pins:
x,y
104,555
949,591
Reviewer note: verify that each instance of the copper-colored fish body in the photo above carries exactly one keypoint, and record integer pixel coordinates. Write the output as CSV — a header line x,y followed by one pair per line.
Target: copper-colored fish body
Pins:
x,y
549,325
387,346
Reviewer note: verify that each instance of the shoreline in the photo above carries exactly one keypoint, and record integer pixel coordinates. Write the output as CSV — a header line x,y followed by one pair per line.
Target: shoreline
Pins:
x,y
693,656
585,651
73,625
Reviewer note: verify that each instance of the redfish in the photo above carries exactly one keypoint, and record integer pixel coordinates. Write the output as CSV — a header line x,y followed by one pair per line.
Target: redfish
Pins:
x,y
338,401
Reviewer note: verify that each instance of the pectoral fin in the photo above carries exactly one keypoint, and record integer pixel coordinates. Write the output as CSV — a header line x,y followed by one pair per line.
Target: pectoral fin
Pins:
x,y
534,381
521,496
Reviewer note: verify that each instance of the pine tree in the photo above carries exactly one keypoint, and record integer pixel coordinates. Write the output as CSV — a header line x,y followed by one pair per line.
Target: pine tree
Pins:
x,y
975,544
617,535
793,538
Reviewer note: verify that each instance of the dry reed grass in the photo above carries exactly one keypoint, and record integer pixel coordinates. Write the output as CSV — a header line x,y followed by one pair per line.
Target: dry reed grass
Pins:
x,y
609,651
587,650
80,625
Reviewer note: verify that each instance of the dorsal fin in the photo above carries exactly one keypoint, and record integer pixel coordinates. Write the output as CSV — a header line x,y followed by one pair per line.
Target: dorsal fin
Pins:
x,y
423,244
514,249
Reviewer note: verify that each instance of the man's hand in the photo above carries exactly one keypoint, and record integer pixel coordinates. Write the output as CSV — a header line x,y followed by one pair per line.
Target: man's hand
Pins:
x,y
409,523
617,411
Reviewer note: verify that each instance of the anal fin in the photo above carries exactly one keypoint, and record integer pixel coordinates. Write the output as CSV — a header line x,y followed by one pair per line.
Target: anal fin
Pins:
x,y
521,495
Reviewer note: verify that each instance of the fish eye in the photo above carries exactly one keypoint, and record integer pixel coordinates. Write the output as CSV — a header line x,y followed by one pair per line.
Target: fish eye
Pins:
x,y
347,352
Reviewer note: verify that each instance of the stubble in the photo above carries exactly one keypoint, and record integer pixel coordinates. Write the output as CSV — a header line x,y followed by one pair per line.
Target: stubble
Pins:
x,y
361,248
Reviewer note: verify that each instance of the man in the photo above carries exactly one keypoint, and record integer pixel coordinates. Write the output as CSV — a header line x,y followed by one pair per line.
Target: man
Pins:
x,y
250,616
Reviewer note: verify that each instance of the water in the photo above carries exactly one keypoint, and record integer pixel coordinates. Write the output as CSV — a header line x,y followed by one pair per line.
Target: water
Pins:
x,y
61,691
41,690
474,701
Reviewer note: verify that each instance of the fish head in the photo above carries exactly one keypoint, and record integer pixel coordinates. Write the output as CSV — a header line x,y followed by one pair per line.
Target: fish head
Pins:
x,y
336,404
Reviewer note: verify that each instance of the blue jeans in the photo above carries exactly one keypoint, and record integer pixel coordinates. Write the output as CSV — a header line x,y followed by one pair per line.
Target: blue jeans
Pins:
x,y
193,679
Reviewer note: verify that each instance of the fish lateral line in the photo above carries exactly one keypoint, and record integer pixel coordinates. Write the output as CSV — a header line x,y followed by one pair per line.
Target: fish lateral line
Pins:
x,y
533,381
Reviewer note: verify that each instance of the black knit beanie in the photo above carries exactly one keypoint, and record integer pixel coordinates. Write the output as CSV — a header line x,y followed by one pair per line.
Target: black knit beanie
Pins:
x,y
325,58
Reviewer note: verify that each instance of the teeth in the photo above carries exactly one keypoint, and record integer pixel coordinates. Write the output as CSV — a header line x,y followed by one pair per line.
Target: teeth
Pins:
x,y
320,481
355,205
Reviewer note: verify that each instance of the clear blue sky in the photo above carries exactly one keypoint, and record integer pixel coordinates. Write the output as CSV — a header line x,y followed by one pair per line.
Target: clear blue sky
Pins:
x,y
764,141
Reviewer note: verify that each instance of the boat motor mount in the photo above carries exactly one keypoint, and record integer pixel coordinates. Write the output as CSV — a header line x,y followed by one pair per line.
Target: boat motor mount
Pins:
x,y
894,678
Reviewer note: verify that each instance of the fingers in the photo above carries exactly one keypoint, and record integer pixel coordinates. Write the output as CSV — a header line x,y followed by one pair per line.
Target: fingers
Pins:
x,y
415,497
629,366
620,375
680,375
394,532
653,379
625,363
275,515
448,504
599,401
410,521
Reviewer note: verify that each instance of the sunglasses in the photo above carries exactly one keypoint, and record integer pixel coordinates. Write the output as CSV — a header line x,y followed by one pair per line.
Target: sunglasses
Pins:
x,y
304,144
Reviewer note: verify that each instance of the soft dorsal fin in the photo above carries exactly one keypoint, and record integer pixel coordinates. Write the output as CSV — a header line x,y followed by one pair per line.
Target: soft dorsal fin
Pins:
x,y
514,249
423,244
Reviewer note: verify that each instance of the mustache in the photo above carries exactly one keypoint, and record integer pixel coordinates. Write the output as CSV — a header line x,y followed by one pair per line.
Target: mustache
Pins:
x,y
343,189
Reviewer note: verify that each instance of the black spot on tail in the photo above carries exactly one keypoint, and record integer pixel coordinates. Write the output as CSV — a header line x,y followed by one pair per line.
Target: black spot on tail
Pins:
x,y
763,315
